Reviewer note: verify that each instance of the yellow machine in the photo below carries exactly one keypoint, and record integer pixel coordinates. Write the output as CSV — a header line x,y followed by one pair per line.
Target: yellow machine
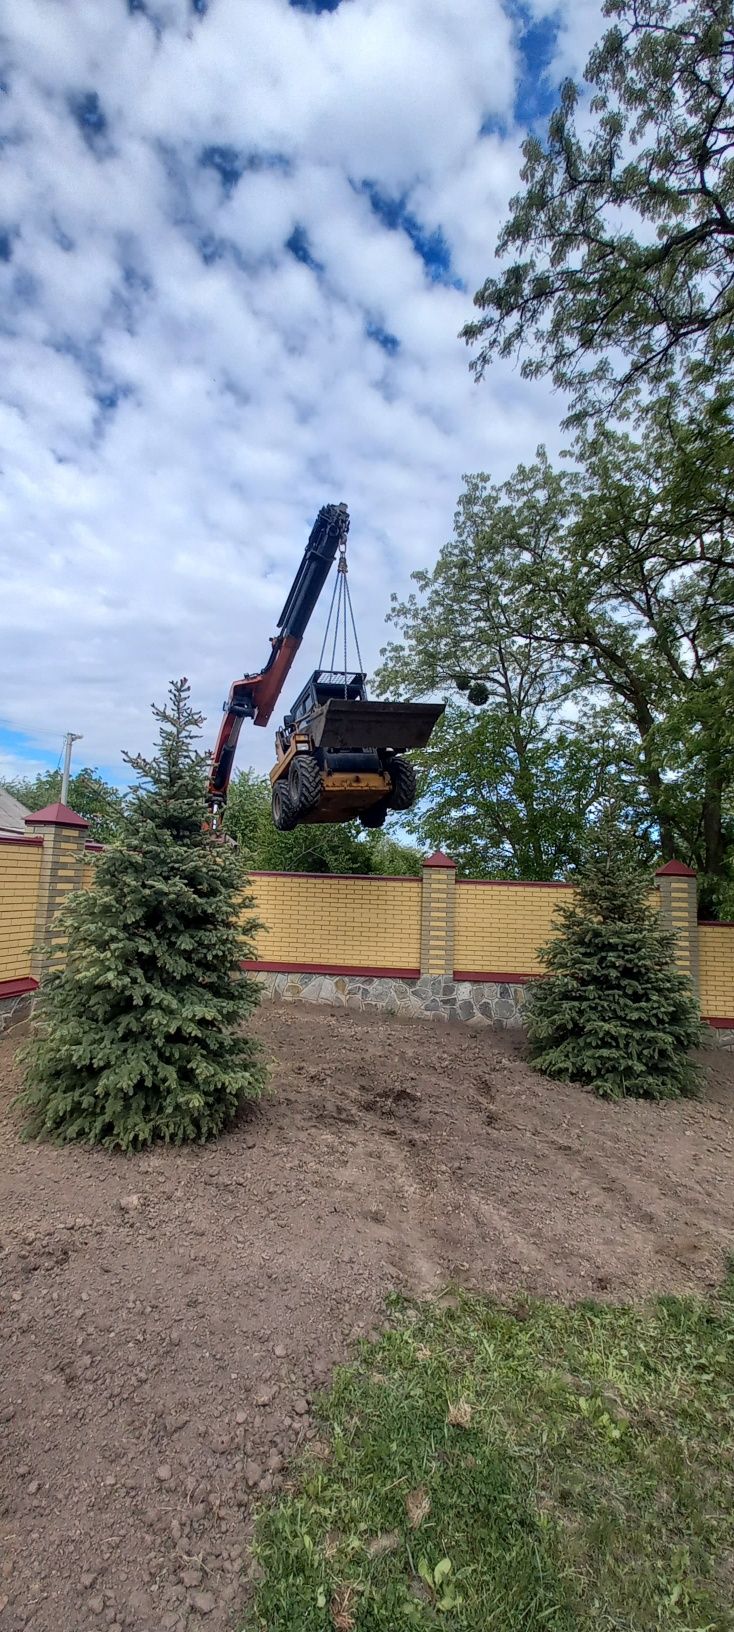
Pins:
x,y
339,755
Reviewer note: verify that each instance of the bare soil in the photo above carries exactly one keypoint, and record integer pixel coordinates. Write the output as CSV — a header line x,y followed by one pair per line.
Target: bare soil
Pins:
x,y
166,1319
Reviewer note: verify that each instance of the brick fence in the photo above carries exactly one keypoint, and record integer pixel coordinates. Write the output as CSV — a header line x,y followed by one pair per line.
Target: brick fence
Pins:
x,y
434,945
448,947
38,869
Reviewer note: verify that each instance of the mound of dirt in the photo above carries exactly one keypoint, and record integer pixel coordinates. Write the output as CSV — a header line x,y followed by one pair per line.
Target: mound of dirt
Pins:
x,y
166,1319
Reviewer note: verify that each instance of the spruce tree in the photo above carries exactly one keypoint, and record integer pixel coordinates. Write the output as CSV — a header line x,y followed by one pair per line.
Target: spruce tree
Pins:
x,y
614,1011
140,1035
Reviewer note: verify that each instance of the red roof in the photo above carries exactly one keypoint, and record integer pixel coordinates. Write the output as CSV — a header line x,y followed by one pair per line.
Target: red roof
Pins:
x,y
438,859
55,816
675,869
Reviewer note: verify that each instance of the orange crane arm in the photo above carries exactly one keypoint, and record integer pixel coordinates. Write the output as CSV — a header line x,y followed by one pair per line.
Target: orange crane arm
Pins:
x,y
254,696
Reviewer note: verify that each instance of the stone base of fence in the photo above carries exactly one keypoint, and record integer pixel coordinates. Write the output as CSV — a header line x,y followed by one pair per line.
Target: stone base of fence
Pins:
x,y
14,1008
433,997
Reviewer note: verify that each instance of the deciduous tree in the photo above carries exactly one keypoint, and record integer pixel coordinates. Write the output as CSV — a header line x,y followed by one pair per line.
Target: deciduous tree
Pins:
x,y
620,282
319,847
101,804
592,619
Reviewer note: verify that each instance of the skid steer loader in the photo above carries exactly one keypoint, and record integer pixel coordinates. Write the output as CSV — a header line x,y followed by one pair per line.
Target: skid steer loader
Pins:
x,y
339,755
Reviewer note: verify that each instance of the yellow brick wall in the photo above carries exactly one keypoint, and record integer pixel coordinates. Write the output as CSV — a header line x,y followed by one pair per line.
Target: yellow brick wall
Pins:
x,y
20,867
88,871
365,923
499,927
716,960
358,923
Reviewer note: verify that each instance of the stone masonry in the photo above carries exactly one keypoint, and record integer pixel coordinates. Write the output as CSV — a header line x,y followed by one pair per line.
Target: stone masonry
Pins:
x,y
15,1009
433,997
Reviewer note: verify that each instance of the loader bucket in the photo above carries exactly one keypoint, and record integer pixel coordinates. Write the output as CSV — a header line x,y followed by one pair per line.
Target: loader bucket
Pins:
x,y
343,724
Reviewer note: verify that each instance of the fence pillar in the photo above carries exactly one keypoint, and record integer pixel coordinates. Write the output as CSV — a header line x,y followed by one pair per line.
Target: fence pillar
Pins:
x,y
679,910
63,834
437,915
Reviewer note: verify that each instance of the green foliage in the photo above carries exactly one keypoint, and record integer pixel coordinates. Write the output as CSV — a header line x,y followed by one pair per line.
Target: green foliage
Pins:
x,y
619,286
620,282
319,847
101,805
510,804
595,606
614,1012
140,1033
552,1469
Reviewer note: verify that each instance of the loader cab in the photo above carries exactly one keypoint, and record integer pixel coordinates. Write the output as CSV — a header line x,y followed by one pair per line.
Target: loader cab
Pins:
x,y
323,686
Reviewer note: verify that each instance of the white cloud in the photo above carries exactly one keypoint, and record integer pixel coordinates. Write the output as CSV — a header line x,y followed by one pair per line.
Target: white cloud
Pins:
x,y
178,393
580,24
15,766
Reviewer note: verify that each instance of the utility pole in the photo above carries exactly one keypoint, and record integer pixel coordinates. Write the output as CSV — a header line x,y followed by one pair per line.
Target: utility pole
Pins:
x,y
70,738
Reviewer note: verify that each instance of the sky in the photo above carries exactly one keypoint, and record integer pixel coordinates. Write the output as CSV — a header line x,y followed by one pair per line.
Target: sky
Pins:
x,y
238,240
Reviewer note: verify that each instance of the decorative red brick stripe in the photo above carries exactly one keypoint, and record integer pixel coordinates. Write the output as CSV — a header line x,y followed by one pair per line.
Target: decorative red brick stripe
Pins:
x,y
330,969
327,878
716,923
16,988
23,838
488,976
718,1023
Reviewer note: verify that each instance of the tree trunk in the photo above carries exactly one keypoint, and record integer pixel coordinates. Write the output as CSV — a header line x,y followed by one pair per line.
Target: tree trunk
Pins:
x,y
714,844
656,790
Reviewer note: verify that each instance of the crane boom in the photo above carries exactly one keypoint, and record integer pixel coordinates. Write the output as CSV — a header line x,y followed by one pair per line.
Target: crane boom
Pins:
x,y
255,695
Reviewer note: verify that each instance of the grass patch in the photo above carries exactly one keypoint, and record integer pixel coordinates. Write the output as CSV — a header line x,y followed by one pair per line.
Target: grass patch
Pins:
x,y
548,1469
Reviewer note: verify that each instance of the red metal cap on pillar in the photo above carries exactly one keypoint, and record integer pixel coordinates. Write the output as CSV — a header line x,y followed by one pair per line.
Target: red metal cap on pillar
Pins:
x,y
675,869
438,859
55,816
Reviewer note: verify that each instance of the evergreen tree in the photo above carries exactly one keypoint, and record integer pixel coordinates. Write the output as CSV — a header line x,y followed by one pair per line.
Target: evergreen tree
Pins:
x,y
614,1011
140,1033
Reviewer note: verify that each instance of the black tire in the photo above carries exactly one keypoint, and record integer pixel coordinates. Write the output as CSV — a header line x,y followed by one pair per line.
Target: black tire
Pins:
x,y
285,818
304,783
403,792
374,815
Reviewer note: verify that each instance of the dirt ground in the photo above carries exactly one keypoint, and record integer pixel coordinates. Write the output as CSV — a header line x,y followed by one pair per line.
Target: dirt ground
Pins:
x,y
165,1320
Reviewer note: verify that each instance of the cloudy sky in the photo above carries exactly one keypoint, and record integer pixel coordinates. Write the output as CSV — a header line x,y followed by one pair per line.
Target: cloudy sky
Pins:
x,y
237,241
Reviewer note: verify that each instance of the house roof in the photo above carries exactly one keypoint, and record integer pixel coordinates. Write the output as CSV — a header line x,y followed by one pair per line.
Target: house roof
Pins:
x,y
12,814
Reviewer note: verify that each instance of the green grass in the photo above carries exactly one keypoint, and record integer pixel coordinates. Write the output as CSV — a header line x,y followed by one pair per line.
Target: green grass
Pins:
x,y
585,1481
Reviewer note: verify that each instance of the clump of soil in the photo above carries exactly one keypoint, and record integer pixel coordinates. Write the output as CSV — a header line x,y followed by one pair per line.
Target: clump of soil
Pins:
x,y
165,1320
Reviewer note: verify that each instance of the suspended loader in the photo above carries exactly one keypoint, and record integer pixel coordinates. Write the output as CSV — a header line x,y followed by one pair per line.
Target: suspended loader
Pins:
x,y
339,755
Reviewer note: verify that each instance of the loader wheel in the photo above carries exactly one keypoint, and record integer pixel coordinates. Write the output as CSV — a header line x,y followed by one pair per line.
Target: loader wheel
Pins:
x,y
403,784
285,818
304,783
374,815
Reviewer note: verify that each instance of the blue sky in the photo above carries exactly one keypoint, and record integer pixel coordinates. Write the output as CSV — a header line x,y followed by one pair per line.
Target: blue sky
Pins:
x,y
237,243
